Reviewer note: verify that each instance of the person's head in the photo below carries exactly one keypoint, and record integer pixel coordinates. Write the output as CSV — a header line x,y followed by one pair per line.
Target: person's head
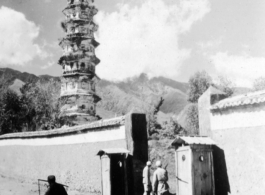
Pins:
x,y
148,163
158,163
51,179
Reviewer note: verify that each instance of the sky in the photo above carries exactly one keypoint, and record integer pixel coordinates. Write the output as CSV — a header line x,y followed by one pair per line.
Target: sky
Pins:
x,y
170,38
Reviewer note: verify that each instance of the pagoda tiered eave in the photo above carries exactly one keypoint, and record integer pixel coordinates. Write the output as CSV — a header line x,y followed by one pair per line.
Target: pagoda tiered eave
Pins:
x,y
94,95
68,41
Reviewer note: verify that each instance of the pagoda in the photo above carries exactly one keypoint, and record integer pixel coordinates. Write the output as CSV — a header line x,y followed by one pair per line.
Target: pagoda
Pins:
x,y
78,95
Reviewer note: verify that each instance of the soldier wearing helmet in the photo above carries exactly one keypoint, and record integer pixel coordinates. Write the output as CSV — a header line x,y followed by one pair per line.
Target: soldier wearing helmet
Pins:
x,y
146,179
160,179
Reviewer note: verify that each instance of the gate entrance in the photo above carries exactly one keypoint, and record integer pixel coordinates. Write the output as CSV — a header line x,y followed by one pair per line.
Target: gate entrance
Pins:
x,y
117,172
114,171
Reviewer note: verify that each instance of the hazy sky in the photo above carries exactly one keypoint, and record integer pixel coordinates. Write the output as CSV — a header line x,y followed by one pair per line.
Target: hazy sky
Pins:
x,y
172,38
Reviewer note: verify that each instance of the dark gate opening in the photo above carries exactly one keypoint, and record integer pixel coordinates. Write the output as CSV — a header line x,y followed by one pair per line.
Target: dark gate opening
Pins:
x,y
117,172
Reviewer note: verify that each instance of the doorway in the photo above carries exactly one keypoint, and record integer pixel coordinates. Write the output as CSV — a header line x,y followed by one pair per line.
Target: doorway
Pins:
x,y
117,174
116,171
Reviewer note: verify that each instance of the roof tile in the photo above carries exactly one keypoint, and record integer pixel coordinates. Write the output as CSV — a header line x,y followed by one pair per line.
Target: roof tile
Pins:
x,y
245,99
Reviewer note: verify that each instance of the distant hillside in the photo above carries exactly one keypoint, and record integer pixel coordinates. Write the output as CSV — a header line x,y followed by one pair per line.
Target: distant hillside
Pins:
x,y
171,83
139,92
8,76
134,94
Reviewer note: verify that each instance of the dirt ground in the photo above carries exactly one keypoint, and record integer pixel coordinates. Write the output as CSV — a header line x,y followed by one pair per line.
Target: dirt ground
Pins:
x,y
11,186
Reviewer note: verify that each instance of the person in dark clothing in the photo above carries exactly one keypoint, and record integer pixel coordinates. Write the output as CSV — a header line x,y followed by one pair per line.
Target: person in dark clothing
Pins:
x,y
55,188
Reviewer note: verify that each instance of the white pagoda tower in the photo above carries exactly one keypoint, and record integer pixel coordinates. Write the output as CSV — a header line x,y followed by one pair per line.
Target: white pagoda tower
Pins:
x,y
78,95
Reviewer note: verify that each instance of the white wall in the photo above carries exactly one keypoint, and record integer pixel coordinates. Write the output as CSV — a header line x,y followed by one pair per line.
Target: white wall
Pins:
x,y
238,117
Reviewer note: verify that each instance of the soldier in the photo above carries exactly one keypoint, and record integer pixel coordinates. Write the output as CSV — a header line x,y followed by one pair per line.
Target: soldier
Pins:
x,y
146,179
55,188
160,178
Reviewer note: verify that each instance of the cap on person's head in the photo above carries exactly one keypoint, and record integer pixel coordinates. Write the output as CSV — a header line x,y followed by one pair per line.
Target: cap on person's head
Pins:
x,y
158,163
148,163
51,179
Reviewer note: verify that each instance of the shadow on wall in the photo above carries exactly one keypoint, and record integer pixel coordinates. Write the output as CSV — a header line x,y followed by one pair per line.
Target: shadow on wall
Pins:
x,y
222,186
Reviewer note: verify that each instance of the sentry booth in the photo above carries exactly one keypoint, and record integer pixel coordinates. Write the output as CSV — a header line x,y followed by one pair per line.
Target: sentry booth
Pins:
x,y
116,171
194,165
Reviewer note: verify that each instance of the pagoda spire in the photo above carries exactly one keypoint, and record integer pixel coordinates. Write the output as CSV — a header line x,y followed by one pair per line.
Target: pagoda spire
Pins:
x,y
78,94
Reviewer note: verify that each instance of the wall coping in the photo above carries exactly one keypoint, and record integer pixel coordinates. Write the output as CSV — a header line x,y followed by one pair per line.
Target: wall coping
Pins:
x,y
240,100
67,130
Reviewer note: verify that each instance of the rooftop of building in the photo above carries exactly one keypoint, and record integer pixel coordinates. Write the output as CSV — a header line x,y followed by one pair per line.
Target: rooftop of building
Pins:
x,y
240,100
190,140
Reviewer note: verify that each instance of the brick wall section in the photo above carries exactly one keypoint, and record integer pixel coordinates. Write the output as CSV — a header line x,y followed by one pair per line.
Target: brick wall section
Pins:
x,y
74,164
244,153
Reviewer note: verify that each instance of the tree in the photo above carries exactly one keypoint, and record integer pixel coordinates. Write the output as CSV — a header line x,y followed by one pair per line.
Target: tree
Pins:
x,y
41,105
151,115
192,120
11,113
225,85
36,108
259,84
171,128
198,84
189,119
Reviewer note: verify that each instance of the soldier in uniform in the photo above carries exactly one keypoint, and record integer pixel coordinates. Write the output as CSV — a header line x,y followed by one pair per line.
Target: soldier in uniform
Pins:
x,y
55,188
160,179
146,179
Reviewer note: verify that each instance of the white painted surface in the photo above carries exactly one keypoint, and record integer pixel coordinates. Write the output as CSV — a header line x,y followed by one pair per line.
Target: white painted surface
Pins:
x,y
88,137
240,117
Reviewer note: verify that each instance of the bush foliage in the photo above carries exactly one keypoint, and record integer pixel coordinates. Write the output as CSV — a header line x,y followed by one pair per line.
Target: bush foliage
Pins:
x,y
198,84
36,108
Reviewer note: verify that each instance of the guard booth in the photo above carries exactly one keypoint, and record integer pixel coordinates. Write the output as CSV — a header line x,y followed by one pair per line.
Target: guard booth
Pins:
x,y
116,172
194,165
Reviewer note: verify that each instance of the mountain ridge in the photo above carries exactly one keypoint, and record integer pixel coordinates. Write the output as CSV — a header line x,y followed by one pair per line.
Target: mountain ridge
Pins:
x,y
118,98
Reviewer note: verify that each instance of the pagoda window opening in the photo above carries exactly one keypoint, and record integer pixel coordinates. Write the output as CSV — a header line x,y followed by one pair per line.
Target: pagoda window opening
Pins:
x,y
72,29
63,68
74,66
83,66
71,65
